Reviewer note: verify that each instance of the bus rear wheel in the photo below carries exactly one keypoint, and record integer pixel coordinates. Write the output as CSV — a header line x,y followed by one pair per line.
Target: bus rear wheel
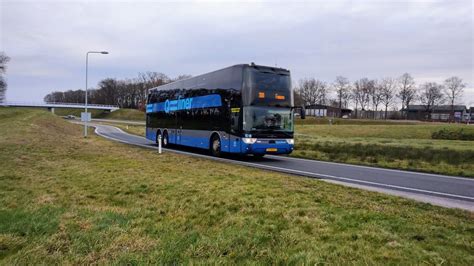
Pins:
x,y
259,155
216,146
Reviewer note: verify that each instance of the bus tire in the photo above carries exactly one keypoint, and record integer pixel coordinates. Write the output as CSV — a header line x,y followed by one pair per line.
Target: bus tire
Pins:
x,y
215,146
165,142
259,155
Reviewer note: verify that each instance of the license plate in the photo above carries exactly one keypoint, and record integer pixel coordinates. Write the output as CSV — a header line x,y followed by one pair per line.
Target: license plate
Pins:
x,y
272,149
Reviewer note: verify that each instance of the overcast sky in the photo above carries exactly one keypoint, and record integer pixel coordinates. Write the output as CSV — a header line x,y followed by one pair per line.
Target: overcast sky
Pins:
x,y
47,40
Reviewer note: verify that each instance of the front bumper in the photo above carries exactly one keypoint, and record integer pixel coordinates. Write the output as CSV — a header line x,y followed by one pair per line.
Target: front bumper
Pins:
x,y
265,146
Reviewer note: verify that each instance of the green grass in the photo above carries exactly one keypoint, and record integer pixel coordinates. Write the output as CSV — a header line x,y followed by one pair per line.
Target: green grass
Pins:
x,y
121,114
125,114
311,120
397,146
75,112
69,200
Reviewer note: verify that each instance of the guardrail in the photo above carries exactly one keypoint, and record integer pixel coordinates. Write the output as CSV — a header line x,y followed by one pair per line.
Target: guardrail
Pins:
x,y
60,105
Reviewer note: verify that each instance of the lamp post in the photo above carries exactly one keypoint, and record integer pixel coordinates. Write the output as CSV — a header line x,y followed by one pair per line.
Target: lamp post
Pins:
x,y
87,64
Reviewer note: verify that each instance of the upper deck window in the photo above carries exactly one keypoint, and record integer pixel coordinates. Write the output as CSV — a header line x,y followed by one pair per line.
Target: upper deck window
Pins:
x,y
267,88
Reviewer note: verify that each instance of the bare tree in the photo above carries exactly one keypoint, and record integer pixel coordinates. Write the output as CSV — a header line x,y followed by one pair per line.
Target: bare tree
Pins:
x,y
307,91
362,88
313,91
55,97
387,93
376,96
431,94
342,87
356,96
127,93
407,90
323,90
107,91
297,98
453,88
3,68
181,77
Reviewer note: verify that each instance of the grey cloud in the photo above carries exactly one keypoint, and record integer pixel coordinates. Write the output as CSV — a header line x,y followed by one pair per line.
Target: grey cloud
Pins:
x,y
47,40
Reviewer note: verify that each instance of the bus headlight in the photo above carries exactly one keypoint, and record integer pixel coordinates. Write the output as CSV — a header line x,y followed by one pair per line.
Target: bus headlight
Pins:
x,y
249,140
290,141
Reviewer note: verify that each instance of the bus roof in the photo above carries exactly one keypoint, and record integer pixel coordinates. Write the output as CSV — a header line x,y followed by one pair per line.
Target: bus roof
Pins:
x,y
192,82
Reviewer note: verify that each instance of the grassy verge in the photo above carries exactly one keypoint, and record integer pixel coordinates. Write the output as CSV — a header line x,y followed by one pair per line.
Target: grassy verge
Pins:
x,y
121,114
310,120
74,111
408,147
69,200
125,114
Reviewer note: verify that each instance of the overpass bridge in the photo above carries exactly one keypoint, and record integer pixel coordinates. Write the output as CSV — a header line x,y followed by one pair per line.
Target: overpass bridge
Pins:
x,y
52,106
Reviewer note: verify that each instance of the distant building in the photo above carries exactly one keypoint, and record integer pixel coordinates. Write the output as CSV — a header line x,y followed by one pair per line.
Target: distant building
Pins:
x,y
320,110
440,113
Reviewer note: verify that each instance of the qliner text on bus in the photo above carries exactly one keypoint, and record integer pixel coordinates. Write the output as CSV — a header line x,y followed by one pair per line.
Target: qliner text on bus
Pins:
x,y
244,109
185,104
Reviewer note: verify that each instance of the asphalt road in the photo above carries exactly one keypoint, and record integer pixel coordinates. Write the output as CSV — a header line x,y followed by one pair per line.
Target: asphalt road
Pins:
x,y
448,191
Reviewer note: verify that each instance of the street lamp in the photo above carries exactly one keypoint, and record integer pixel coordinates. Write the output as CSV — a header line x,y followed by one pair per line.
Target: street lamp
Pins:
x,y
87,63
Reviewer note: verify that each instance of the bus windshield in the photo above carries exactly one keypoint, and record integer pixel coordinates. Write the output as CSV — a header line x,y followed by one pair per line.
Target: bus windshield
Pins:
x,y
267,119
268,89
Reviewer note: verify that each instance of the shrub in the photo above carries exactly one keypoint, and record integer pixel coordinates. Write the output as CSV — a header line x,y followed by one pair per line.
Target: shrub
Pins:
x,y
375,153
452,134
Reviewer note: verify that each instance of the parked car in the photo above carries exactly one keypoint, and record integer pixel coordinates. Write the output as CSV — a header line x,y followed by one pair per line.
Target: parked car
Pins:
x,y
69,117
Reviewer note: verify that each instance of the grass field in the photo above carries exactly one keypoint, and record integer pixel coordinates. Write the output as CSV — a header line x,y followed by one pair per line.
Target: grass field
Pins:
x,y
77,112
69,200
125,114
388,144
310,120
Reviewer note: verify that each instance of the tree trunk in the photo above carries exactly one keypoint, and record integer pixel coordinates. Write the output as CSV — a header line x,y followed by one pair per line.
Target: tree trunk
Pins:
x,y
452,110
340,105
356,109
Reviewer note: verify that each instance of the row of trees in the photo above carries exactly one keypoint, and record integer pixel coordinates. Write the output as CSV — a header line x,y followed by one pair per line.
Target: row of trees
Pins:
x,y
370,94
127,93
364,94
3,68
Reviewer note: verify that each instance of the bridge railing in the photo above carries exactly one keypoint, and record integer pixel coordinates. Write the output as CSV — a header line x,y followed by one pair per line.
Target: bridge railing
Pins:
x,y
52,104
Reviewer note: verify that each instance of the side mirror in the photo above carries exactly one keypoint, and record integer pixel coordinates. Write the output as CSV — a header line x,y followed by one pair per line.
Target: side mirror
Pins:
x,y
302,113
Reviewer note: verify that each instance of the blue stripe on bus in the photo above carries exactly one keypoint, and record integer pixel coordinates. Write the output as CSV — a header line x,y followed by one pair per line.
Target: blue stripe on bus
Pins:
x,y
235,146
213,100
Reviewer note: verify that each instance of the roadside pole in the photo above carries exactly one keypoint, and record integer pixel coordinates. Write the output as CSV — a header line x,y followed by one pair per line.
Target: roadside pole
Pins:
x,y
86,114
159,144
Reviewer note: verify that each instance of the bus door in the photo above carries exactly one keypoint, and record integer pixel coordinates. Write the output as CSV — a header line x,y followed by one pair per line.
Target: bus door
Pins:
x,y
234,144
179,127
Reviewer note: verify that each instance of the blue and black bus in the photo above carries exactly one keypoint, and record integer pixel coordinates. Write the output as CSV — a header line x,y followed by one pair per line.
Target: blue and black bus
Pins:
x,y
242,109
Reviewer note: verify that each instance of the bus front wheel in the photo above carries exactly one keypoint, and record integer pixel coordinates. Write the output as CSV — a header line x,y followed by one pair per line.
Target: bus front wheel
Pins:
x,y
165,141
216,146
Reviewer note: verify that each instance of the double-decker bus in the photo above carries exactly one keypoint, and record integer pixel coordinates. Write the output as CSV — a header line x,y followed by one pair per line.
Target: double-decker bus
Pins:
x,y
242,109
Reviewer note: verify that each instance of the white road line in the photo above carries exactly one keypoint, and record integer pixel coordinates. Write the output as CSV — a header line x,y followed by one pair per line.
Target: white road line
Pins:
x,y
374,168
286,170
